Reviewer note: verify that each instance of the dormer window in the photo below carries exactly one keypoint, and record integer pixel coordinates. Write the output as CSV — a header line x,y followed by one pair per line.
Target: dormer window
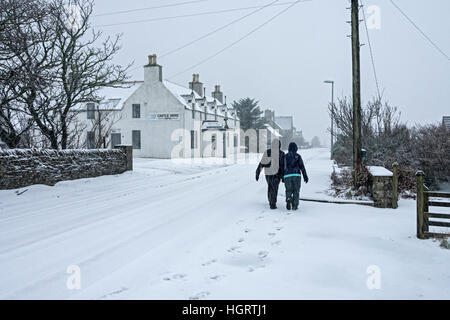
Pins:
x,y
91,111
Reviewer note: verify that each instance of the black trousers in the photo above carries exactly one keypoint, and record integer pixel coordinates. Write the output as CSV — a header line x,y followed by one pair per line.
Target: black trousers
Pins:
x,y
273,182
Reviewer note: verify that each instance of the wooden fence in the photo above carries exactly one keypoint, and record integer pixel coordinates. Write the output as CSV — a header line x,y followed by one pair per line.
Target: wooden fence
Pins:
x,y
425,200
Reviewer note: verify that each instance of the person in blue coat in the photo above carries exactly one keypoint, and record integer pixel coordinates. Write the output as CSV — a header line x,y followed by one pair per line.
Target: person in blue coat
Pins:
x,y
294,168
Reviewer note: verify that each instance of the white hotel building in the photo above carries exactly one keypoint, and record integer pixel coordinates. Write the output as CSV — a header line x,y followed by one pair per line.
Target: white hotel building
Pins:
x,y
164,120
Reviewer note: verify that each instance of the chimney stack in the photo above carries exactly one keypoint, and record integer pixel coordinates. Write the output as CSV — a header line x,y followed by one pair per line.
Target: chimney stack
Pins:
x,y
196,85
269,115
152,71
217,94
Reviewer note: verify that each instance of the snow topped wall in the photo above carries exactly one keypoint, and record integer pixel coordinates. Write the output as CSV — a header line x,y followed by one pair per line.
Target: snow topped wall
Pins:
x,y
383,187
24,167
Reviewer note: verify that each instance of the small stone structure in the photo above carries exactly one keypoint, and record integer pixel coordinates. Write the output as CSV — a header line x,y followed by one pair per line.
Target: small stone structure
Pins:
x,y
23,167
384,186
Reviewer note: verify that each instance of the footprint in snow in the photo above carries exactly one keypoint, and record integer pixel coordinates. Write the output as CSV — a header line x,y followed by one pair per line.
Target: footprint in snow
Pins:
x,y
271,234
254,268
279,228
200,295
208,263
276,243
217,277
247,230
263,254
241,240
234,249
177,276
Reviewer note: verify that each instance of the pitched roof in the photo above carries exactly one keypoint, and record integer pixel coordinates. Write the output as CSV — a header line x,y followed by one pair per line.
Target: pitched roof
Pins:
x,y
285,122
190,99
113,98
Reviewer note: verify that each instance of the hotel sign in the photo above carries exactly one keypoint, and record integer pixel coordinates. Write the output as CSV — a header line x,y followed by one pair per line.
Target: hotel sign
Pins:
x,y
164,116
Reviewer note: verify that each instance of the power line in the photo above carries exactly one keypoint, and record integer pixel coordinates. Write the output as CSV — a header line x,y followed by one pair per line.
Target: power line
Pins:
x,y
239,40
371,52
418,29
218,29
149,8
190,15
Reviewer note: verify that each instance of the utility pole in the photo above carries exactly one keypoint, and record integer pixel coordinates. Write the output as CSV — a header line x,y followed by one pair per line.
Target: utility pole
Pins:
x,y
332,117
356,91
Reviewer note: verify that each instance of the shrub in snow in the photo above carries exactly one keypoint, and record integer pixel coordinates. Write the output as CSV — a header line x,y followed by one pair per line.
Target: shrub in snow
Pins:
x,y
445,243
342,184
387,140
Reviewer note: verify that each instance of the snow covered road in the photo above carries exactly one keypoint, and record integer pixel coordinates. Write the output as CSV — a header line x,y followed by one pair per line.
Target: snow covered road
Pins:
x,y
203,230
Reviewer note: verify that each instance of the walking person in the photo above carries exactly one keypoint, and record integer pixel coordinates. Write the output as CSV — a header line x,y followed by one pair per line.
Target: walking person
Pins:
x,y
293,170
273,171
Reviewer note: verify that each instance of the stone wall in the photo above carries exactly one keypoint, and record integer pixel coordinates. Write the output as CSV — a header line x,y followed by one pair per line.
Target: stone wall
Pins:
x,y
23,167
383,187
382,191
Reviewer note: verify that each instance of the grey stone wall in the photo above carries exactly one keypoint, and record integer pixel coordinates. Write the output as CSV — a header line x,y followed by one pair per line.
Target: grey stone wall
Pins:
x,y
23,167
382,191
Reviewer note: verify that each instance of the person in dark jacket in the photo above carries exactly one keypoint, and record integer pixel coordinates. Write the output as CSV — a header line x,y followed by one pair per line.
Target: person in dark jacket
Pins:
x,y
273,171
293,168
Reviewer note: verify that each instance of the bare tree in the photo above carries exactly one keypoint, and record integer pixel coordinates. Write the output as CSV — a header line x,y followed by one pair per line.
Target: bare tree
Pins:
x,y
22,63
63,63
102,126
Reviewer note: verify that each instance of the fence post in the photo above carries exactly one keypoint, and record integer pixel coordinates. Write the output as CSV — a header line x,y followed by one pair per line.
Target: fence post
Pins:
x,y
419,202
129,152
395,185
426,226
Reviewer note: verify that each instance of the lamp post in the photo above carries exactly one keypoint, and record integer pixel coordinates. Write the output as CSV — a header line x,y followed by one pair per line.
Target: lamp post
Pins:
x,y
332,113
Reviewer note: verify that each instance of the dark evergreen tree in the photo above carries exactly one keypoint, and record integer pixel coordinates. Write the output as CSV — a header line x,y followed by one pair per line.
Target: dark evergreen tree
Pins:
x,y
249,113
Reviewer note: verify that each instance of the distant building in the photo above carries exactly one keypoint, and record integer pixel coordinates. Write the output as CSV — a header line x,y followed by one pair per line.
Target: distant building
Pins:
x,y
273,129
156,116
446,121
284,127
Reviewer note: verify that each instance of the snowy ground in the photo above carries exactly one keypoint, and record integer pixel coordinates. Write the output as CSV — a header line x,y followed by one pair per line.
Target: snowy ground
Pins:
x,y
180,231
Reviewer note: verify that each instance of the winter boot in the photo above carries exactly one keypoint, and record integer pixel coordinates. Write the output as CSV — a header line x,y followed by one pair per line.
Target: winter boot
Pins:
x,y
288,205
273,206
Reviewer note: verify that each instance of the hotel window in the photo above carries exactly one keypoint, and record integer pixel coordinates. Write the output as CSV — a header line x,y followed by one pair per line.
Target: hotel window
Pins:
x,y
91,111
193,139
214,142
116,139
91,140
136,111
136,139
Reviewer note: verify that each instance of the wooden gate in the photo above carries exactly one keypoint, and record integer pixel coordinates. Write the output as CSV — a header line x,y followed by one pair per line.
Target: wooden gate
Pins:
x,y
425,200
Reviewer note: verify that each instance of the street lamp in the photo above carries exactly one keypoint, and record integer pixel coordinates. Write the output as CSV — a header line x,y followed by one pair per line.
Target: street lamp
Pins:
x,y
332,113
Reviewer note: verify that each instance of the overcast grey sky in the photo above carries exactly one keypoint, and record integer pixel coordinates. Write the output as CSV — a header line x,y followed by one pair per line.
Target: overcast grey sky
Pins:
x,y
284,64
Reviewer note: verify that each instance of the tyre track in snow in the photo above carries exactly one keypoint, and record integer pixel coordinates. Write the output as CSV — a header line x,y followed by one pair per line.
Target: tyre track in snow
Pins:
x,y
94,212
133,228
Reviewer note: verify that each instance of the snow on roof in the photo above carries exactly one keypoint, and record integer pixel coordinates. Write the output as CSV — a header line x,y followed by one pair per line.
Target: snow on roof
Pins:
x,y
187,97
211,125
285,122
273,131
113,98
377,171
120,93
